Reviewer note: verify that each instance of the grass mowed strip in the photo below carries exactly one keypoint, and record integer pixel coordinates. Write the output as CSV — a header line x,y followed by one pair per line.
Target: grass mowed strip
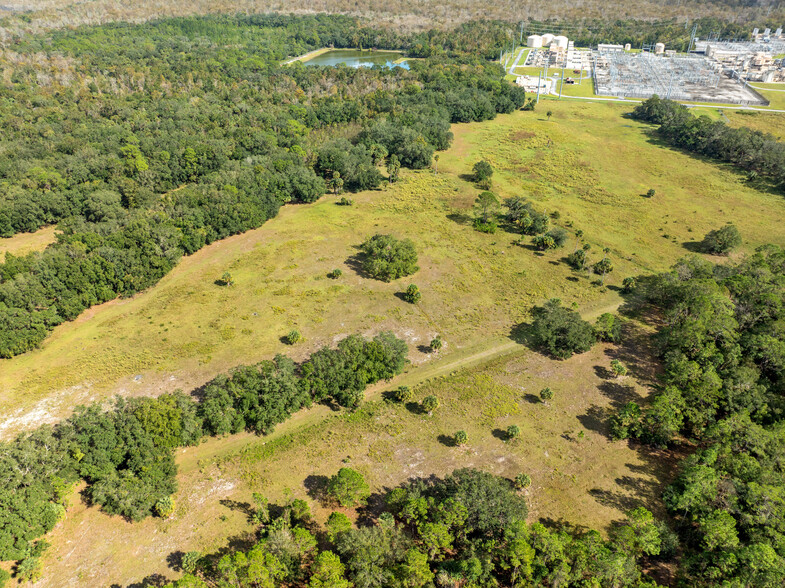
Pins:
x,y
24,243
578,474
587,163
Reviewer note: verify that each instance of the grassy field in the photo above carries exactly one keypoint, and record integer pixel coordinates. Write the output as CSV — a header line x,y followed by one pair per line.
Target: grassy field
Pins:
x,y
27,242
587,163
579,475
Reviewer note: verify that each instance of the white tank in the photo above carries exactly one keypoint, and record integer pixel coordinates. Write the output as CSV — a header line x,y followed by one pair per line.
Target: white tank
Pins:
x,y
659,48
627,47
547,39
534,41
560,41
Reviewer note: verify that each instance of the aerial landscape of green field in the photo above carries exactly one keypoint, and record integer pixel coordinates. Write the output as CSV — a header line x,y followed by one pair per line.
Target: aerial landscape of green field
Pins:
x,y
327,296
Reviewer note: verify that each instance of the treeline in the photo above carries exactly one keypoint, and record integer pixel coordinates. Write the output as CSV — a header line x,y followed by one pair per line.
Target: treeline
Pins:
x,y
198,133
723,348
126,454
467,529
758,153
674,33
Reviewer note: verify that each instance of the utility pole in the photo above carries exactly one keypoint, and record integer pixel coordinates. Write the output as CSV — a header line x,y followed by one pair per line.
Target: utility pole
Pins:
x,y
562,81
538,87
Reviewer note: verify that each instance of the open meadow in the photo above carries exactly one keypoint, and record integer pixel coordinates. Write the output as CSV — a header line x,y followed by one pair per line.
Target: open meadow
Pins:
x,y
587,165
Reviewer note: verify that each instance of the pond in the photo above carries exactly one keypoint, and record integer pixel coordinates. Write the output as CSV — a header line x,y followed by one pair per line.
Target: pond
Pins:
x,y
357,58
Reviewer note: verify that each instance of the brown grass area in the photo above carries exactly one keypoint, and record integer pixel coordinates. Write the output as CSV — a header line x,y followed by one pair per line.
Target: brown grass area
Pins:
x,y
24,243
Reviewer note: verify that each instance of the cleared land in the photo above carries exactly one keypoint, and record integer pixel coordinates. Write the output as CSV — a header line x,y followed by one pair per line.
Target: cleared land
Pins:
x,y
588,163
579,475
26,242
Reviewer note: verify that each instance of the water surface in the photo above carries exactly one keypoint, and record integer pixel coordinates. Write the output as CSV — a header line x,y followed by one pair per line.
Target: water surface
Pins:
x,y
356,58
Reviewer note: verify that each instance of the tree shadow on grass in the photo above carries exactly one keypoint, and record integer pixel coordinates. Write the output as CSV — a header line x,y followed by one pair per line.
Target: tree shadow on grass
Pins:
x,y
243,507
531,399
602,372
694,246
447,440
151,581
175,561
596,420
316,487
521,334
500,434
356,264
460,218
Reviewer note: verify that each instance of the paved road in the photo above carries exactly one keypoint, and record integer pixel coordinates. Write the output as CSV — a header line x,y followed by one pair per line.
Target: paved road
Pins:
x,y
515,63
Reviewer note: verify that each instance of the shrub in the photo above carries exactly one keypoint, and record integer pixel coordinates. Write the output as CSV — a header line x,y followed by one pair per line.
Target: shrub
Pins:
x,y
513,432
344,201
348,487
629,283
650,193
335,274
189,561
293,337
436,343
608,328
4,577
561,331
522,481
546,394
618,368
577,260
403,394
460,438
412,294
164,508
429,404
387,258
722,241
543,242
482,226
225,280
557,234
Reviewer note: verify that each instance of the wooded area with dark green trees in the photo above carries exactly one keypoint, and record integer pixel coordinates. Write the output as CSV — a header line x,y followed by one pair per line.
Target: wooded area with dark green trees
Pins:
x,y
466,529
164,137
723,347
126,454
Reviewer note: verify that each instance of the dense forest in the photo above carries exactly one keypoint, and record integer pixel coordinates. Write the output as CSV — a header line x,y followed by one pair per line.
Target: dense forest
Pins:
x,y
467,529
126,454
153,141
723,347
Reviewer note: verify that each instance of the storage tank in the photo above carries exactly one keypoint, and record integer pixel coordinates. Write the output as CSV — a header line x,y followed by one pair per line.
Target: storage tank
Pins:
x,y
560,42
547,39
627,47
659,48
534,41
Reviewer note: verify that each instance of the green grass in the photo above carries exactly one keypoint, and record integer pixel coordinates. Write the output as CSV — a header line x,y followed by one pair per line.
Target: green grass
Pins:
x,y
587,480
27,242
588,163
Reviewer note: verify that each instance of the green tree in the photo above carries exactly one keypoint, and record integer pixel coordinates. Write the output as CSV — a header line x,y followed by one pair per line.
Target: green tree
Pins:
x,y
348,487
403,394
336,524
429,404
560,331
486,205
328,571
546,394
436,343
335,183
335,274
393,168
415,571
608,328
513,432
293,337
482,171
189,561
387,258
226,279
603,267
629,283
722,241
719,531
412,294
460,438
